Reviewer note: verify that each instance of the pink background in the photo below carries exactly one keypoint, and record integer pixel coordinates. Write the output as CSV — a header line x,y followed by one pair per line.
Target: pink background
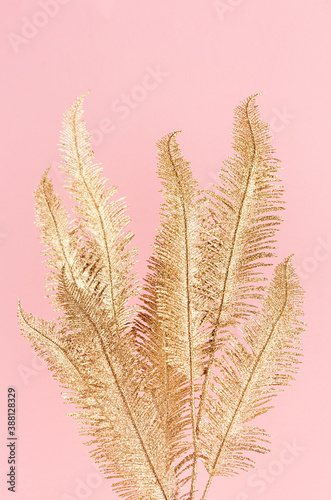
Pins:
x,y
209,60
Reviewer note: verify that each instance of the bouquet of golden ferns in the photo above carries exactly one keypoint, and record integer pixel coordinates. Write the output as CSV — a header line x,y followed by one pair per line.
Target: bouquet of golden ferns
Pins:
x,y
174,381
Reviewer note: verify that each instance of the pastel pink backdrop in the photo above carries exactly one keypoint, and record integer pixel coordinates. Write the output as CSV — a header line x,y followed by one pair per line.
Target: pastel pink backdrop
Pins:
x,y
209,56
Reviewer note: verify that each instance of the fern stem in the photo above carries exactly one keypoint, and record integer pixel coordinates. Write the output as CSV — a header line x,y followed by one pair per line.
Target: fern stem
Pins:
x,y
250,378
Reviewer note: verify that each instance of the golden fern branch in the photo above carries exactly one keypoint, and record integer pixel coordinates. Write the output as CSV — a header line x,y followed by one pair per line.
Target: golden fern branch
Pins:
x,y
251,377
59,236
240,237
122,420
169,322
101,219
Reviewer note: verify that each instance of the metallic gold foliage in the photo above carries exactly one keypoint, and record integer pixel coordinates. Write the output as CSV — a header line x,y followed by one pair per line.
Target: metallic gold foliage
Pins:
x,y
173,303
244,207
176,380
250,377
57,231
101,220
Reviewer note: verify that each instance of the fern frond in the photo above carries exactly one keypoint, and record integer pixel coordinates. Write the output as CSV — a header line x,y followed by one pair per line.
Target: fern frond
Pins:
x,y
127,435
251,377
102,220
240,237
157,388
57,232
172,310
